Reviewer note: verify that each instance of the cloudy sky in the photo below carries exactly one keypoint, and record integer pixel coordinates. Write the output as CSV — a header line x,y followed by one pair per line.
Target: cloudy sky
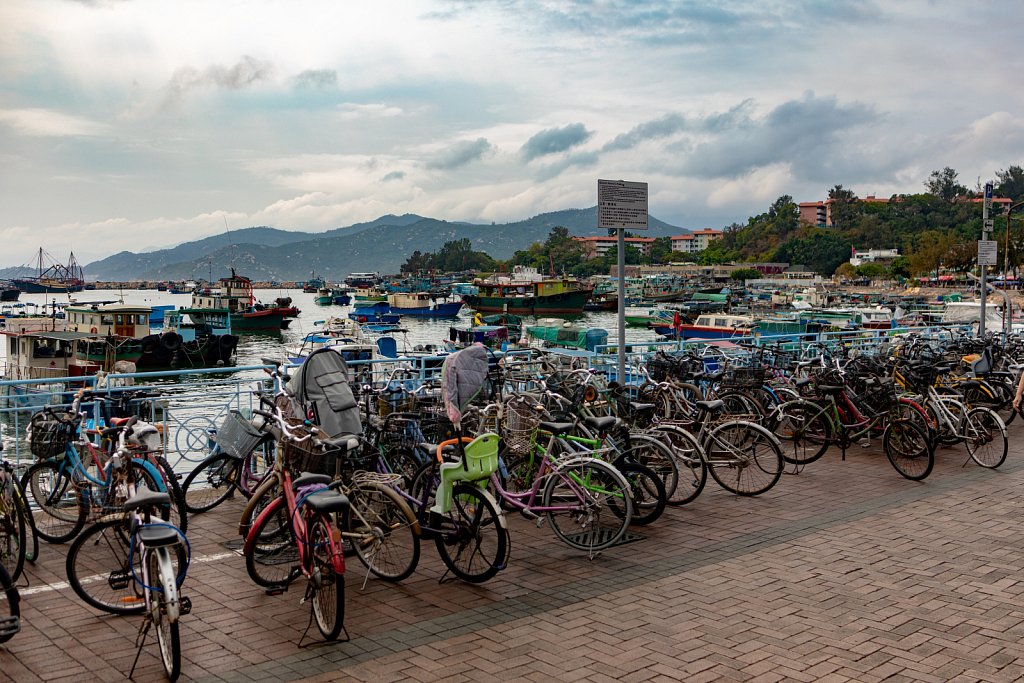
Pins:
x,y
135,124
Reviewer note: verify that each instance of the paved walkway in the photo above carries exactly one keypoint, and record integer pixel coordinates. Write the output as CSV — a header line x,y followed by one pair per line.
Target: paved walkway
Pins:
x,y
845,572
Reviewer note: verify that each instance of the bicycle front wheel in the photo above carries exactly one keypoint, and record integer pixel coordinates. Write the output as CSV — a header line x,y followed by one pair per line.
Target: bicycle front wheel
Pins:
x,y
689,457
908,449
271,550
803,430
986,440
646,490
595,504
55,501
328,584
473,542
13,532
162,579
212,482
10,607
384,532
743,457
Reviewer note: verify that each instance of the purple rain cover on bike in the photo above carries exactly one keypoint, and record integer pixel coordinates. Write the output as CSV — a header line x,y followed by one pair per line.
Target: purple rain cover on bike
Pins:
x,y
320,386
463,375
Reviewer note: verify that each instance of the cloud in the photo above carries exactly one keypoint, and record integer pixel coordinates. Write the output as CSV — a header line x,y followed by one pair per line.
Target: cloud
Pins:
x,y
47,123
351,111
555,140
317,78
245,73
667,125
460,154
394,175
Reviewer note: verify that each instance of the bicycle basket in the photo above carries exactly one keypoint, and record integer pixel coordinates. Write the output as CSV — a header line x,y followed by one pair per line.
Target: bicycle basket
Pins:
x,y
519,423
742,378
660,369
237,436
880,397
49,438
303,456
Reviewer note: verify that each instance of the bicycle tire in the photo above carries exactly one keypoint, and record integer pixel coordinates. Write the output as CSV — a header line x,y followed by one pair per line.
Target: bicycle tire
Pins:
x,y
588,486
650,452
271,548
98,569
167,637
689,456
986,441
743,457
32,540
328,599
12,535
462,543
908,449
211,482
265,494
10,607
390,543
61,509
646,489
169,478
804,431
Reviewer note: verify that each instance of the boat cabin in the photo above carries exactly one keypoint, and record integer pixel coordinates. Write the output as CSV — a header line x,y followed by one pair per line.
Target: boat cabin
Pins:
x,y
119,320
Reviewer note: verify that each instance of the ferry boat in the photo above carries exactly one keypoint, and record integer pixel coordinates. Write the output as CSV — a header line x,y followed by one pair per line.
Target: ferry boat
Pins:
x,y
526,292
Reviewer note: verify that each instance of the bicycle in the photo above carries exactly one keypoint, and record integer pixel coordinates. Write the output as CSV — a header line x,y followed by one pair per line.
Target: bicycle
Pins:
x,y
127,564
10,607
65,487
17,530
295,535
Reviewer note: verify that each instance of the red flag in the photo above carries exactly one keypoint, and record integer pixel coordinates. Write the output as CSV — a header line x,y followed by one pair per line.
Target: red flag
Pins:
x,y
676,322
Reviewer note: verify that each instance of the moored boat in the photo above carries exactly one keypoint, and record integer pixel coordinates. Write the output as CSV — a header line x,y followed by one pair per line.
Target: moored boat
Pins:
x,y
528,293
423,305
235,295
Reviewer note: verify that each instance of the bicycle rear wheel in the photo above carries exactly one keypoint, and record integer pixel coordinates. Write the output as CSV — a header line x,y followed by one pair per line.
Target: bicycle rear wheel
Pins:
x,y
387,538
908,449
10,607
55,501
328,585
597,501
689,457
743,457
803,430
210,483
986,438
166,629
648,451
473,542
646,490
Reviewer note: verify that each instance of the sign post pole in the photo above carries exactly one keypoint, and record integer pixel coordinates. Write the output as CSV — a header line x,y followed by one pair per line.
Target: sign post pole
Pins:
x,y
984,266
621,205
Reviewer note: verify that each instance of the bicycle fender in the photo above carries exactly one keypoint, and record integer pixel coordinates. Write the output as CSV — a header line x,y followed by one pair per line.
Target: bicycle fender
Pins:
x,y
757,427
502,521
153,472
250,538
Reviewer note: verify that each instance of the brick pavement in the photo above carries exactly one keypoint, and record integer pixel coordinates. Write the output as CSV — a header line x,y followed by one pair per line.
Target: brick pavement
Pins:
x,y
845,572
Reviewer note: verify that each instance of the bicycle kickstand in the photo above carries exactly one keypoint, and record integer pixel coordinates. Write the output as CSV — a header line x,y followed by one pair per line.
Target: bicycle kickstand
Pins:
x,y
140,641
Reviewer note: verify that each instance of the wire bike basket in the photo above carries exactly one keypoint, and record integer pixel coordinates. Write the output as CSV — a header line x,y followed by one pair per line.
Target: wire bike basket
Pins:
x,y
742,378
49,437
236,435
519,424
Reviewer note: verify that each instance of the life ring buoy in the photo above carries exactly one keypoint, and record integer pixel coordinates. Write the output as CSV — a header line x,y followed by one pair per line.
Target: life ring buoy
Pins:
x,y
92,330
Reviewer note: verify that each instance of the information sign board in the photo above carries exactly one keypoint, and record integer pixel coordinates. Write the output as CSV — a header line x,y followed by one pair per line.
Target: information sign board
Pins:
x,y
621,205
987,253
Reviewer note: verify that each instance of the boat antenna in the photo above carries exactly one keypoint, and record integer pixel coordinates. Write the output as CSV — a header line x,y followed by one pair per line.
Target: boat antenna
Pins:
x,y
231,242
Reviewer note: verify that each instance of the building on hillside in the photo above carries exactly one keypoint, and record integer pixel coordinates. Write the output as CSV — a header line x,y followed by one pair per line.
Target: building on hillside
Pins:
x,y
596,246
882,256
696,241
820,213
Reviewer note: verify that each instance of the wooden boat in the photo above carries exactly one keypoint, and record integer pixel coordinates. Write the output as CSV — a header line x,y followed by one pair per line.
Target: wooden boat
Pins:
x,y
528,293
422,305
324,296
53,279
235,295
558,333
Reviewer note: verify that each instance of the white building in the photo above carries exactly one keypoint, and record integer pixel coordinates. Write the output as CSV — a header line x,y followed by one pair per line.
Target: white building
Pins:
x,y
873,256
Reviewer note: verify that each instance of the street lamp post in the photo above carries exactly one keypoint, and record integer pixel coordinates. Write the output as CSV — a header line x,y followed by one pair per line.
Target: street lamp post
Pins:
x,y
1006,265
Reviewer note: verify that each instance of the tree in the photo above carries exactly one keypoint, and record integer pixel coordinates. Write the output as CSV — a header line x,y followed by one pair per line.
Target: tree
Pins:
x,y
900,267
661,250
745,274
846,271
843,205
1011,183
943,184
872,271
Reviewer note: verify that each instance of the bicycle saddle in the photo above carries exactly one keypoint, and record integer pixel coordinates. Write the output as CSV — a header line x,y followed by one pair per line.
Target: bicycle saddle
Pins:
x,y
601,424
158,535
310,478
345,442
641,407
830,389
556,428
710,406
327,501
145,498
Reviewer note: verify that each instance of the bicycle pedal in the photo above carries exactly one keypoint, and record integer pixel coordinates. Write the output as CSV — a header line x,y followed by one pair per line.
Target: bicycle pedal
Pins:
x,y
277,590
184,606
532,516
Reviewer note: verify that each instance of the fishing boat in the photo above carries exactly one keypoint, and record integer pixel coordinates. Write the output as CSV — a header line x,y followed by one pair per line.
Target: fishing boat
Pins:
x,y
366,294
235,296
53,279
116,332
526,292
182,287
311,285
8,291
423,305
186,344
711,326
651,318
379,312
283,305
341,296
555,332
324,297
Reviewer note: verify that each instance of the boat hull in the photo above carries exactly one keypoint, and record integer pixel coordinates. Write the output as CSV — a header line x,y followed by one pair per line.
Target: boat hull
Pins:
x,y
565,303
445,310
46,287
701,332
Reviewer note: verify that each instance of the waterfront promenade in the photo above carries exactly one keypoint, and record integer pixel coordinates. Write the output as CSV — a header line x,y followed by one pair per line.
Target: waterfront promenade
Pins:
x,y
845,572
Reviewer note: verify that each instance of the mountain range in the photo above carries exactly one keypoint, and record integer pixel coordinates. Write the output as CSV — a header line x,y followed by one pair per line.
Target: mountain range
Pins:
x,y
381,245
